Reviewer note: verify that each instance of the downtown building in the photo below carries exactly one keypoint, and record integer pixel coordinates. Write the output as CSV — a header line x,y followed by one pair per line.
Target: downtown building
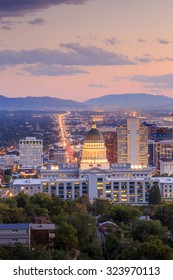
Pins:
x,y
132,143
30,152
97,178
163,152
110,137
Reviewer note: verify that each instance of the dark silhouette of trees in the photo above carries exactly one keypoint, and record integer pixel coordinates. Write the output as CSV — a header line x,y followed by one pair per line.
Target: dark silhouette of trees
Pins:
x,y
154,195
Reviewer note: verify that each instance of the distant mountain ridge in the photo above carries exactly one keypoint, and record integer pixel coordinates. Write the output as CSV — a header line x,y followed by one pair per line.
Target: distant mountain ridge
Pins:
x,y
44,102
141,101
133,101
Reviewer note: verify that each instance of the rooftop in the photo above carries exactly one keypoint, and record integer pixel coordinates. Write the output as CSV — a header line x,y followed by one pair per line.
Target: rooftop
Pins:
x,y
27,181
14,226
94,135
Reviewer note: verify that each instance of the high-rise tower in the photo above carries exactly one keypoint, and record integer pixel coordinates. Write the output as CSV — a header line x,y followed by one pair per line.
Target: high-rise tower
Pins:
x,y
133,143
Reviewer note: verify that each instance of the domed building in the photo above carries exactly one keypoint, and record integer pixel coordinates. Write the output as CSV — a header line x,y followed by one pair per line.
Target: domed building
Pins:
x,y
94,150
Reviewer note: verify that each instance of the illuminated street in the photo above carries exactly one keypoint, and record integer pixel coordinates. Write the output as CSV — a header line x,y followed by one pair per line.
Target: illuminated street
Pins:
x,y
64,136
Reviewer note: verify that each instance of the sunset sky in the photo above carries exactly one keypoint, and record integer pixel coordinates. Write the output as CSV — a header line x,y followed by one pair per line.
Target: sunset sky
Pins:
x,y
79,49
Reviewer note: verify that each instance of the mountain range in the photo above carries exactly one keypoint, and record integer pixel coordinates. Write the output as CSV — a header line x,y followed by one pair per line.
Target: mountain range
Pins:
x,y
141,101
38,103
133,101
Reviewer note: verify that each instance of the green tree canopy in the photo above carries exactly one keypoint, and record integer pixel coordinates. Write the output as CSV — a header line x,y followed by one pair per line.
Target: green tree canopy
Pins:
x,y
154,249
43,200
66,237
154,195
143,229
122,213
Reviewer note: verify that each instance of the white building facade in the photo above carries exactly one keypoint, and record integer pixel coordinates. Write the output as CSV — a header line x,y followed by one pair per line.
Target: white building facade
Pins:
x,y
31,151
12,234
120,184
132,142
166,166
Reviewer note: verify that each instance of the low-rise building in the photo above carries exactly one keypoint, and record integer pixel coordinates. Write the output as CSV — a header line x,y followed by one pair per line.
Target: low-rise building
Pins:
x,y
12,234
28,186
125,188
166,187
166,166
27,234
43,234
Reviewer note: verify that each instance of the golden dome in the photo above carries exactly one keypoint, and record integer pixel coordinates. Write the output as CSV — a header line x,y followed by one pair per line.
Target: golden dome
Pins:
x,y
94,135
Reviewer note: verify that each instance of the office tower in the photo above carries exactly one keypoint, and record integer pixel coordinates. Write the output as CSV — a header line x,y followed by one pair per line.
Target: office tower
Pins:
x,y
110,138
159,133
164,150
151,153
132,142
31,151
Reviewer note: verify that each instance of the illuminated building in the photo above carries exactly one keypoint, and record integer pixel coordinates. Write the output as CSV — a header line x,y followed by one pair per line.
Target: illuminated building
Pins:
x,y
94,150
30,152
166,166
110,138
58,155
96,178
158,133
164,150
132,144
121,185
151,153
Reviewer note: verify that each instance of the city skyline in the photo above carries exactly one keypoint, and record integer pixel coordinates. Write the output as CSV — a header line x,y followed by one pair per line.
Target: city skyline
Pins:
x,y
79,49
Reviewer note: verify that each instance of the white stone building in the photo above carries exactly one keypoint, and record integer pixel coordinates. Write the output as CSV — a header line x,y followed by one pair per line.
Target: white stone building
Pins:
x,y
166,166
30,152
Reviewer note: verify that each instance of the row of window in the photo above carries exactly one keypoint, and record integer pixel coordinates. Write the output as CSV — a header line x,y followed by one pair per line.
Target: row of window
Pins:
x,y
31,142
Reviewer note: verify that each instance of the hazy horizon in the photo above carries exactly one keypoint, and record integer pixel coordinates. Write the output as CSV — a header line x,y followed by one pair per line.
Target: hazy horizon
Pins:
x,y
82,49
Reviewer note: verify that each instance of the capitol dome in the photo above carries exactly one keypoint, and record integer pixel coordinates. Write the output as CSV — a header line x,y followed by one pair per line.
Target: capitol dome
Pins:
x,y
94,150
94,135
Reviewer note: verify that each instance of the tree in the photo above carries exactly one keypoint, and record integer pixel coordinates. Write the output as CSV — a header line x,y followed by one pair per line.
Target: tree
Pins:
x,y
143,229
164,213
43,200
154,195
154,249
101,205
5,253
66,237
6,179
122,213
12,215
22,199
84,200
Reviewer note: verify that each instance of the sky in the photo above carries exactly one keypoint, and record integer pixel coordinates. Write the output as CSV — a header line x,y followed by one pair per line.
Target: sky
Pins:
x,y
82,49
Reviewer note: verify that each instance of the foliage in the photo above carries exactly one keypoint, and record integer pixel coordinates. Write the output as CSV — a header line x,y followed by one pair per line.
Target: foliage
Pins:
x,y
66,237
164,213
122,213
12,215
84,200
143,229
76,233
43,200
154,195
100,205
154,249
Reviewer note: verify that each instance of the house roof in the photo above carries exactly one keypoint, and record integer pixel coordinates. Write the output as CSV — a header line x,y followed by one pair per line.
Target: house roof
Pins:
x,y
14,226
108,223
